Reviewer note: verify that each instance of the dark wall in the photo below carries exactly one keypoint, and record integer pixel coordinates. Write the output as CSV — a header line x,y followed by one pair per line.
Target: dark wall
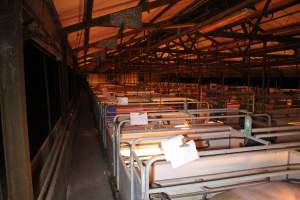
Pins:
x,y
47,94
52,70
36,97
3,191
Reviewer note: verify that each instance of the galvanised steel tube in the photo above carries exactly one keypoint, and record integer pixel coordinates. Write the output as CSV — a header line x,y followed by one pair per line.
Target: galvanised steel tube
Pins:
x,y
149,163
118,131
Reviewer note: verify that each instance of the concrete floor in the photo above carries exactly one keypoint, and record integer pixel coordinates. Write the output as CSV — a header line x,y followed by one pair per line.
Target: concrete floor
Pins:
x,y
88,179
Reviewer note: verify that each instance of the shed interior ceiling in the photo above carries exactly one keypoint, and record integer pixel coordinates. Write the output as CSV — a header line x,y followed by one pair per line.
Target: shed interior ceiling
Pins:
x,y
147,35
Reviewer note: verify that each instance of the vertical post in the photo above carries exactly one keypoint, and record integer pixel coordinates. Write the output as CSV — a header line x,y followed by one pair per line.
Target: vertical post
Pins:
x,y
13,102
248,125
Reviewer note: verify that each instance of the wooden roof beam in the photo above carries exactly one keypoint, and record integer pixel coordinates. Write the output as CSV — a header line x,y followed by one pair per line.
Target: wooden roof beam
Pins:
x,y
214,53
270,11
253,52
250,36
226,13
163,11
211,20
105,20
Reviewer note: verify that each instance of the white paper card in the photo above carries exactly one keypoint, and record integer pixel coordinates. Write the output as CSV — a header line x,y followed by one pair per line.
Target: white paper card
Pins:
x,y
138,118
122,101
170,145
178,153
187,154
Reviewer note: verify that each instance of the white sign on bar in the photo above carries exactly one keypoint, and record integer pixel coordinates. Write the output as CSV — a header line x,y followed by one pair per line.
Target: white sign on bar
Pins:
x,y
123,101
179,153
137,118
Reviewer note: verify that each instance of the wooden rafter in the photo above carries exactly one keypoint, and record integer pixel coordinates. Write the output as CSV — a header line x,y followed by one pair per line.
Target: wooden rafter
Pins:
x,y
105,20
232,31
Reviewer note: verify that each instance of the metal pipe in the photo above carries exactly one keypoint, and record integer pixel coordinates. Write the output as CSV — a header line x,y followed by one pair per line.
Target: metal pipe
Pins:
x,y
117,131
243,179
220,152
219,189
161,157
268,135
281,128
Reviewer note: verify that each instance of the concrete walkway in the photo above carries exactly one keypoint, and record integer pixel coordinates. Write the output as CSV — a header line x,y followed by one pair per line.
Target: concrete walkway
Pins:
x,y
88,179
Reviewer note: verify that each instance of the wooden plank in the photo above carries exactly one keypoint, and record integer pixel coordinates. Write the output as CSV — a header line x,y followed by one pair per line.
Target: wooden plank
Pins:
x,y
13,103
